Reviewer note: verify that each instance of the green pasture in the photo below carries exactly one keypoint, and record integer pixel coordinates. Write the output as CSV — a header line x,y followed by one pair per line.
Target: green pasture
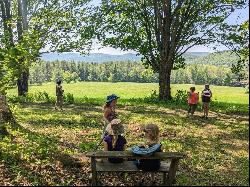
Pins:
x,y
137,90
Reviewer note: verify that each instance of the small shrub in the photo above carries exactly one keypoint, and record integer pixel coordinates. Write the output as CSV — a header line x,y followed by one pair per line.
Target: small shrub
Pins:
x,y
32,97
154,97
69,98
181,96
47,98
42,97
22,99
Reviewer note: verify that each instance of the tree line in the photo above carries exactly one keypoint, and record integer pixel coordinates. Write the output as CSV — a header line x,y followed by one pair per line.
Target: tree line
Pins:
x,y
42,72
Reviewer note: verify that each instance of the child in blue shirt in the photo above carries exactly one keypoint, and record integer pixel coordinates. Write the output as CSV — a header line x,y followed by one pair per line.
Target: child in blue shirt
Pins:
x,y
151,138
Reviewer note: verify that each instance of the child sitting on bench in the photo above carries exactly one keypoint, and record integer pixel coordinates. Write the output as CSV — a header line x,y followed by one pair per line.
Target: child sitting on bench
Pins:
x,y
114,141
151,138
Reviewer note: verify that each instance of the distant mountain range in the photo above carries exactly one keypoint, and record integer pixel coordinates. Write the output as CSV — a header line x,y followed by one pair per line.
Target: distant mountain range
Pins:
x,y
100,57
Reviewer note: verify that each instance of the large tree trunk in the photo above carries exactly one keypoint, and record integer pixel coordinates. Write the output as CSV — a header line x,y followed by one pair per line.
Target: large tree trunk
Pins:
x,y
164,82
22,26
5,113
6,17
22,83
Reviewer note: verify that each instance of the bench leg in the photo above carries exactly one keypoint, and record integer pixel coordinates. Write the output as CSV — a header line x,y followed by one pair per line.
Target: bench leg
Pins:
x,y
164,179
172,172
94,173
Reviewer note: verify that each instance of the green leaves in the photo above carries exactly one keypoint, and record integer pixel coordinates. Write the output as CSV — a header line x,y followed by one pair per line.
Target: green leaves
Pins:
x,y
236,38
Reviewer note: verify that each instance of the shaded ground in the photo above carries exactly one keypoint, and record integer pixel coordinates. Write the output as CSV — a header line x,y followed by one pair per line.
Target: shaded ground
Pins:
x,y
41,151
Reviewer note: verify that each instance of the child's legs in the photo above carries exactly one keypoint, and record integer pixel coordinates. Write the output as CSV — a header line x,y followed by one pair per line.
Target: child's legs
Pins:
x,y
60,101
137,163
194,106
205,107
56,104
190,108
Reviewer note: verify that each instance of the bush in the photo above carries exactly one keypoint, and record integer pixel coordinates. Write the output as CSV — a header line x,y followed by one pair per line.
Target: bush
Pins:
x,y
154,97
32,97
69,98
22,99
181,96
43,97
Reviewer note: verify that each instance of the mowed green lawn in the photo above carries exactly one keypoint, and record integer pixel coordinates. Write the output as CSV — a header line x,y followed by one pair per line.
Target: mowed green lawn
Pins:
x,y
137,90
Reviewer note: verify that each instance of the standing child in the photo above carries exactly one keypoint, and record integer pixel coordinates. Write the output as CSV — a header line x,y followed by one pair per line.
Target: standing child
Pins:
x,y
206,98
193,99
114,141
109,114
59,95
151,138
109,108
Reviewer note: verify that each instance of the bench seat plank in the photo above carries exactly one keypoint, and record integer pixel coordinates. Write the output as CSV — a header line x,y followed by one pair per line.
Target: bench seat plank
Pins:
x,y
126,166
129,154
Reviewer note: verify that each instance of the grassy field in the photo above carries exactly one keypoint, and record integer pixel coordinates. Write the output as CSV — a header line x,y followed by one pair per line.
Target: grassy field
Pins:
x,y
41,147
137,90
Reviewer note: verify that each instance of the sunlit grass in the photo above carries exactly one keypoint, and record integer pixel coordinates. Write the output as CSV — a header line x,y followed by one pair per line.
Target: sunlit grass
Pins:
x,y
216,149
137,90
39,152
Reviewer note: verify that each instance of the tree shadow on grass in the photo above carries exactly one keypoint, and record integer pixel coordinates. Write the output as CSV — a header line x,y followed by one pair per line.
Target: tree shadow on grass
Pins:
x,y
70,107
171,118
56,118
215,106
40,160
192,144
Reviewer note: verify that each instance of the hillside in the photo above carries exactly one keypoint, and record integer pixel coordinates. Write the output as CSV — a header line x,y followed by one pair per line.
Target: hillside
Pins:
x,y
100,57
224,58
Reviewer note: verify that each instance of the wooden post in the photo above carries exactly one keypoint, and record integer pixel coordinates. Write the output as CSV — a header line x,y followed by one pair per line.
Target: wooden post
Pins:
x,y
172,171
94,173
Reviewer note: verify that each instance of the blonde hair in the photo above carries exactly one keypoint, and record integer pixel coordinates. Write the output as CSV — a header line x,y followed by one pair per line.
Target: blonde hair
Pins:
x,y
153,131
115,128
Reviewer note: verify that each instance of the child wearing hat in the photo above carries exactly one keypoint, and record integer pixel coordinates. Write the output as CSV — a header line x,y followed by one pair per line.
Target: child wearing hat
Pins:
x,y
115,141
109,108
109,114
151,138
109,111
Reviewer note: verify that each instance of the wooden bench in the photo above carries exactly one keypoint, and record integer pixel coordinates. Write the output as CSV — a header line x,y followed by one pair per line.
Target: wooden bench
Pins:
x,y
167,168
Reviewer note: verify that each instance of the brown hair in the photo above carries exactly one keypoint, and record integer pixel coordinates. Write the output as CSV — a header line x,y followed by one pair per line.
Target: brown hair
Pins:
x,y
192,89
106,106
115,128
153,130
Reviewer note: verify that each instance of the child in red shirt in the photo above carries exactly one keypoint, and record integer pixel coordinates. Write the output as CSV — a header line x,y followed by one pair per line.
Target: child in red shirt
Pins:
x,y
193,99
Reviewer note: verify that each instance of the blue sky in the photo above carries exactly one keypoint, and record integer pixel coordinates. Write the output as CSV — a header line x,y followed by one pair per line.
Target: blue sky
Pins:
x,y
237,17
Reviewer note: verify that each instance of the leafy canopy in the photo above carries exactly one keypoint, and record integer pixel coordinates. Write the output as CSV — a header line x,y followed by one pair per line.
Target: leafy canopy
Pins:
x,y
161,30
